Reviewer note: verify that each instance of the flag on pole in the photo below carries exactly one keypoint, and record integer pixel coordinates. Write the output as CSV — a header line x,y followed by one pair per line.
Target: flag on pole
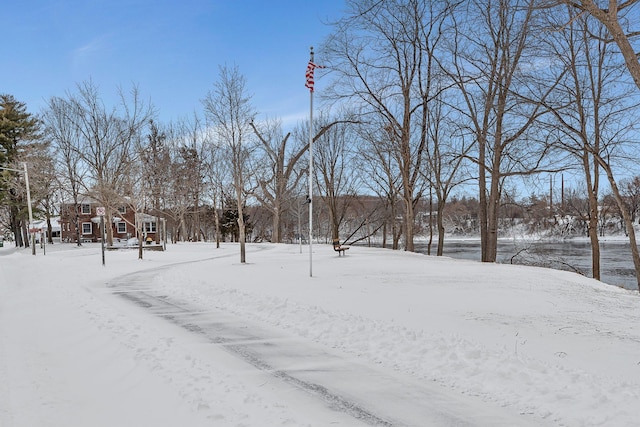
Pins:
x,y
309,75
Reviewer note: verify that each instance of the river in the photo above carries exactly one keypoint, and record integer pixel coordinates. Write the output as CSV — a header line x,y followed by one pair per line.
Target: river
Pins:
x,y
616,265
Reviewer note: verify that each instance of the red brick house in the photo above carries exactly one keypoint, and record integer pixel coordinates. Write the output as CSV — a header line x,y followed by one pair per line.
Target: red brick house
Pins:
x,y
122,223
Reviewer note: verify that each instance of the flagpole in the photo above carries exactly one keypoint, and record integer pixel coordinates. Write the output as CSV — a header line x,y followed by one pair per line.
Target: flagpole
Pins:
x,y
311,59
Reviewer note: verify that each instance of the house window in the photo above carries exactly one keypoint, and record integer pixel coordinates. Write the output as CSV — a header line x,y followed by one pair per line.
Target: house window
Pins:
x,y
121,227
149,227
86,228
86,209
122,209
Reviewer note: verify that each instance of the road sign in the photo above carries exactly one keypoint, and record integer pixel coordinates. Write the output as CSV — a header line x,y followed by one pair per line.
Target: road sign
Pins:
x,y
101,211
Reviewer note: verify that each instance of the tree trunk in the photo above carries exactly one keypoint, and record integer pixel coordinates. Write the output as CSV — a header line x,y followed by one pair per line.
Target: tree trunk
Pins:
x,y
430,242
394,226
242,236
627,219
493,205
275,238
592,190
491,247
595,248
77,224
397,234
15,227
183,227
50,230
26,234
384,234
216,215
108,227
157,218
610,19
408,220
440,226
482,201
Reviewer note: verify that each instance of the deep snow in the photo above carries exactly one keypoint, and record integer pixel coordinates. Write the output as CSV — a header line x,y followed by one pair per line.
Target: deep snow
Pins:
x,y
545,346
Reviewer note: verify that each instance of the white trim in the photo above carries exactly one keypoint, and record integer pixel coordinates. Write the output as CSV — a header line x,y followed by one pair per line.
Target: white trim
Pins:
x,y
150,227
84,233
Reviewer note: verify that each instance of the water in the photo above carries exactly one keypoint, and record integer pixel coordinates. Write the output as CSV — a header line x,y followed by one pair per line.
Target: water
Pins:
x,y
616,265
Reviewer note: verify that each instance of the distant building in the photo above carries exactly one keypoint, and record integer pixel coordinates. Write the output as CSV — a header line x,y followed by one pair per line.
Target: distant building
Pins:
x,y
42,227
123,225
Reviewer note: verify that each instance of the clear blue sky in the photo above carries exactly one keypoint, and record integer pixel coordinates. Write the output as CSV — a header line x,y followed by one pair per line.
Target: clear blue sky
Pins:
x,y
171,49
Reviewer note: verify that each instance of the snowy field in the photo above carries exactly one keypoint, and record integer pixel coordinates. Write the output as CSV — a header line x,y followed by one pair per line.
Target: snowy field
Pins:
x,y
190,337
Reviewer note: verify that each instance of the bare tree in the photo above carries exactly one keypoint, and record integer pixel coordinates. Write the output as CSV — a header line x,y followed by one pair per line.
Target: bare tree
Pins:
x,y
590,105
42,181
617,17
188,141
606,165
613,17
578,209
177,201
156,171
276,186
630,190
230,112
215,171
335,180
65,139
107,142
379,173
499,98
445,157
382,54
135,196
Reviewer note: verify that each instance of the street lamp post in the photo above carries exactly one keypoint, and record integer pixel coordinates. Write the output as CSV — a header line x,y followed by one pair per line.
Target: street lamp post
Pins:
x,y
26,181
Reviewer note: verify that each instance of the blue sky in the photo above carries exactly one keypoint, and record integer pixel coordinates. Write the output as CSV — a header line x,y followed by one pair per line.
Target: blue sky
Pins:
x,y
171,49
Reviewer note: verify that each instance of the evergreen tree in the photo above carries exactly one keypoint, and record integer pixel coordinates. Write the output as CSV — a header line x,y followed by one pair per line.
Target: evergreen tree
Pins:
x,y
229,223
18,130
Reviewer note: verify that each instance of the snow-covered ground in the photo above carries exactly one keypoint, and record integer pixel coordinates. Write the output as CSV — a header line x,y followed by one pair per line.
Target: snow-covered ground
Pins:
x,y
130,344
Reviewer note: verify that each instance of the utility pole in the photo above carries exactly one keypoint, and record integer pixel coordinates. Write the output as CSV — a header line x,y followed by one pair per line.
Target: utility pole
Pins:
x,y
33,232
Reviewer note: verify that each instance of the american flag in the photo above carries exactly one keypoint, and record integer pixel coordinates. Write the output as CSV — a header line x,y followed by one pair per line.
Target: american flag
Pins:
x,y
309,75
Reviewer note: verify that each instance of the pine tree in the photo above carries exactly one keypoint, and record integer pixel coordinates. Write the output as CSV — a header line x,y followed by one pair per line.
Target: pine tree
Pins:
x,y
18,130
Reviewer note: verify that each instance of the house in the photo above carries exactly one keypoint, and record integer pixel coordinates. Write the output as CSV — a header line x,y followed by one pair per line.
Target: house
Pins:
x,y
88,212
43,227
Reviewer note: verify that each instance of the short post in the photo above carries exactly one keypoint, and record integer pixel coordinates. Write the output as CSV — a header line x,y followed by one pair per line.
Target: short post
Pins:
x,y
102,239
101,212
164,234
